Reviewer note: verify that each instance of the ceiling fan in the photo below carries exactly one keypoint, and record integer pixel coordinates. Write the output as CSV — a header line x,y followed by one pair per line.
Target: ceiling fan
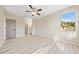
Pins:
x,y
34,11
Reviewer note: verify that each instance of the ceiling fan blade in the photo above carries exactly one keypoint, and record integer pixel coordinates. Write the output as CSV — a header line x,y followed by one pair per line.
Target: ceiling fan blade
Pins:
x,y
38,13
39,10
31,6
28,11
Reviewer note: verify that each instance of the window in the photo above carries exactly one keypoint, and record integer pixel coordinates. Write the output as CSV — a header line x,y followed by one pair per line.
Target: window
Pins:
x,y
68,21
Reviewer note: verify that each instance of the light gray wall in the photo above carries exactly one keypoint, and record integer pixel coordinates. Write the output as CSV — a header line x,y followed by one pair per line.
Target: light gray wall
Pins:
x,y
49,26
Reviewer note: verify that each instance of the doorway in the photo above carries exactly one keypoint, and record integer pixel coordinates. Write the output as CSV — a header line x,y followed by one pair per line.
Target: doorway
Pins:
x,y
26,29
10,29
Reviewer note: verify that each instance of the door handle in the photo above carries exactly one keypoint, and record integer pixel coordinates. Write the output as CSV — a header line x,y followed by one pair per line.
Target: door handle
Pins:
x,y
14,29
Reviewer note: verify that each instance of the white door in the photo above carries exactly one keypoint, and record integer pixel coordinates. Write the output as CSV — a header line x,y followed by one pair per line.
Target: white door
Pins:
x,y
10,29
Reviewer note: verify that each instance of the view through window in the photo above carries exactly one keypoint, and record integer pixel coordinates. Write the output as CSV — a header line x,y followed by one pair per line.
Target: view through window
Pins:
x,y
68,21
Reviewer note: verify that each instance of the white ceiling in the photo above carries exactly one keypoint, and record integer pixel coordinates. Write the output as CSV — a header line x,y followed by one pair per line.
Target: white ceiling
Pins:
x,y
20,10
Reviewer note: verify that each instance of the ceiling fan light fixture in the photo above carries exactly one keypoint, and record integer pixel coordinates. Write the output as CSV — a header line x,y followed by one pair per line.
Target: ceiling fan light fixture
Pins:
x,y
34,13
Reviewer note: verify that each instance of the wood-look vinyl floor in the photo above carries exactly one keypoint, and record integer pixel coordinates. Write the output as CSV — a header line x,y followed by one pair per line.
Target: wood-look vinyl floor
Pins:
x,y
37,45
